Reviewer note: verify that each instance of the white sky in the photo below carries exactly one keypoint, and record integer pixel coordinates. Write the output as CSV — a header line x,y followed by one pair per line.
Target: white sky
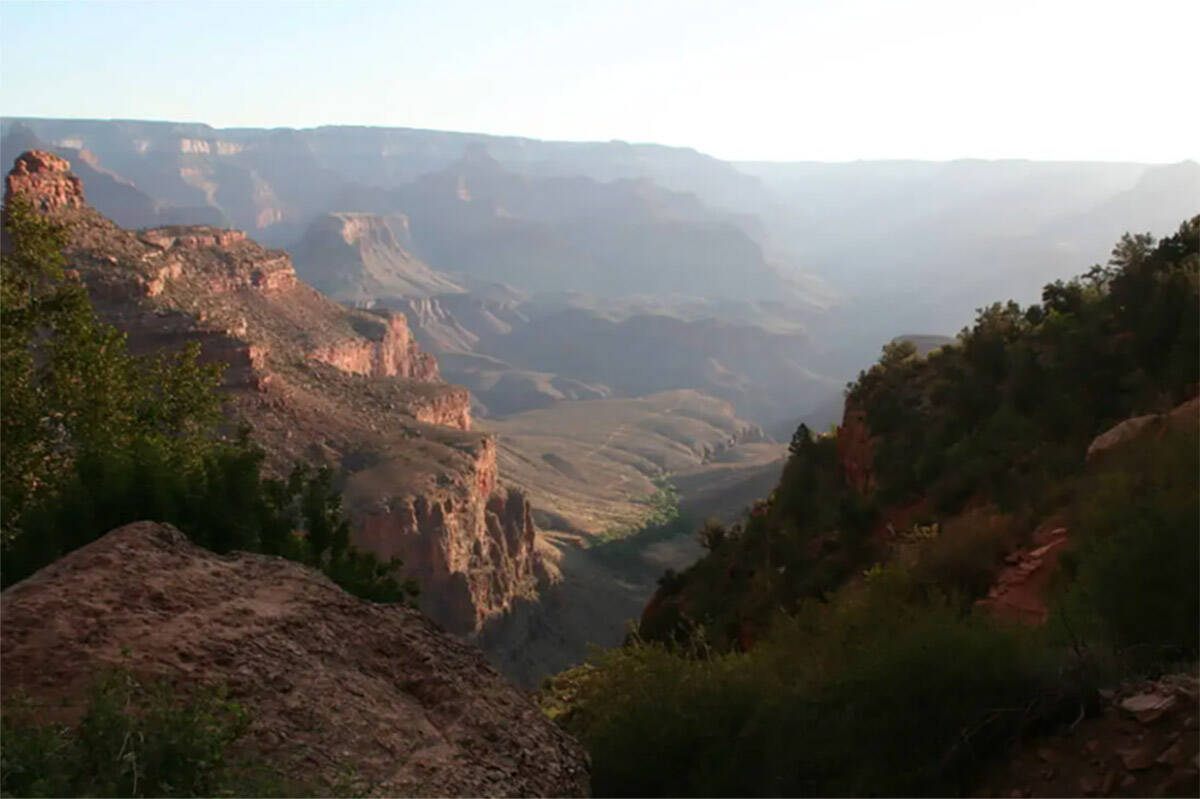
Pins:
x,y
740,80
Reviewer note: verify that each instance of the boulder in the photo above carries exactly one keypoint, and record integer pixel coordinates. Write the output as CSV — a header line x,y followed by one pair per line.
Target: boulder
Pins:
x,y
333,682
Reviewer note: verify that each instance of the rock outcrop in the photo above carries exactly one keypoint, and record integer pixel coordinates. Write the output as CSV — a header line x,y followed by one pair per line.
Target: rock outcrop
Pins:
x,y
332,682
1141,426
386,349
319,381
474,560
45,179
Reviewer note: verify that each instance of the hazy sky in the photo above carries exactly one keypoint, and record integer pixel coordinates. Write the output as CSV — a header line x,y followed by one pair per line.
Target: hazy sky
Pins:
x,y
740,80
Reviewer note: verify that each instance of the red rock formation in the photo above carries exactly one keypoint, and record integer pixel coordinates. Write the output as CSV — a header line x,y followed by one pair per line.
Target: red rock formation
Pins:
x,y
471,545
856,450
191,237
388,351
449,409
222,261
473,552
46,180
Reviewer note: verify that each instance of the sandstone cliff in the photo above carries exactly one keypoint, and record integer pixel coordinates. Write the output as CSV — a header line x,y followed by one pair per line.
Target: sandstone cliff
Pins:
x,y
332,682
45,179
471,560
363,259
318,381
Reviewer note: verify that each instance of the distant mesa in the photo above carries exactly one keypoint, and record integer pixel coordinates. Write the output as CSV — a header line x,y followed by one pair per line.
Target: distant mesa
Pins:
x,y
363,259
925,342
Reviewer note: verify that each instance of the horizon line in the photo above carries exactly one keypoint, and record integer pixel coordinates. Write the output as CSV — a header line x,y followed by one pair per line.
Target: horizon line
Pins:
x,y
598,141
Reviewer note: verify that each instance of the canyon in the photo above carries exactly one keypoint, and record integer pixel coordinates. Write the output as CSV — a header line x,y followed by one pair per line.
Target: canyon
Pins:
x,y
317,381
494,518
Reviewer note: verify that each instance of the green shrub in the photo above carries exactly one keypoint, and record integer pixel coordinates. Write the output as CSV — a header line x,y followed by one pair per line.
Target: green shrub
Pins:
x,y
1135,559
962,560
132,740
95,437
868,695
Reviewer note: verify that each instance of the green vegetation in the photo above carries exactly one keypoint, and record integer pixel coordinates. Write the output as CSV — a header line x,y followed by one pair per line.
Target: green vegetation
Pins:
x,y
816,649
662,515
132,740
1130,580
871,694
139,739
1009,409
95,437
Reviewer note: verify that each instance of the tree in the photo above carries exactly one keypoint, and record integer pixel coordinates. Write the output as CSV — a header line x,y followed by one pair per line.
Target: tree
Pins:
x,y
71,392
95,437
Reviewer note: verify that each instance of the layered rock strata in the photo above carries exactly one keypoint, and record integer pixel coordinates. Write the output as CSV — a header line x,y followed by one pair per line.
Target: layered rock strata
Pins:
x,y
316,381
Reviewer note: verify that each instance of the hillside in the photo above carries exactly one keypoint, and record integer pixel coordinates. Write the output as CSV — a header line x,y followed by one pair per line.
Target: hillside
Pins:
x,y
944,595
587,465
320,382
617,486
572,233
517,352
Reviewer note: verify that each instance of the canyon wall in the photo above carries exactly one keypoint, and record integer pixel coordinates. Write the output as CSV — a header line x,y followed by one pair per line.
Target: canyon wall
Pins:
x,y
384,350
313,377
472,550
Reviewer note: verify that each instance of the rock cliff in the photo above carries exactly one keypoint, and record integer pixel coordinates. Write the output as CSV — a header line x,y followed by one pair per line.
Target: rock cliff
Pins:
x,y
319,381
475,561
332,683
386,349
363,259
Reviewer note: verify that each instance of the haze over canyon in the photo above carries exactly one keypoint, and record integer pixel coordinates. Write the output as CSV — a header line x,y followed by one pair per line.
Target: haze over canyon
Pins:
x,y
531,371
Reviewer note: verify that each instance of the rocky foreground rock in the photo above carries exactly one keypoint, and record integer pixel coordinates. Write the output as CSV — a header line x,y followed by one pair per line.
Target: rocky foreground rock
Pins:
x,y
1144,742
334,682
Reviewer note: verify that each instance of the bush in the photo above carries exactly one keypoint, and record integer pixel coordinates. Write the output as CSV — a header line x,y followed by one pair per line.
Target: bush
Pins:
x,y
869,695
1136,553
962,560
132,740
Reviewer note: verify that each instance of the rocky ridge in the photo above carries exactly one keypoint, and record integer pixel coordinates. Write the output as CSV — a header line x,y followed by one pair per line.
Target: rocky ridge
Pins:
x,y
332,682
318,381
